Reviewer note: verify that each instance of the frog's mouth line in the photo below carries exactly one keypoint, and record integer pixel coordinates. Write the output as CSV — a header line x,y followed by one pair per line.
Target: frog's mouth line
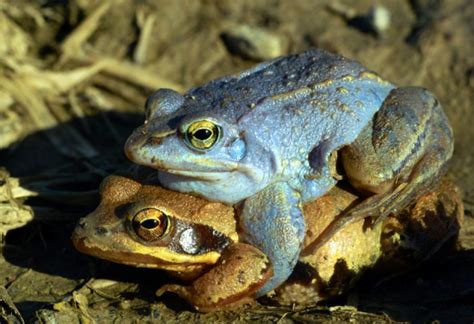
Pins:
x,y
200,175
91,247
255,175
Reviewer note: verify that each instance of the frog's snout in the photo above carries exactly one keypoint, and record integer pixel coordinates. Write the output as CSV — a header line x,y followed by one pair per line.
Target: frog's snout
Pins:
x,y
80,227
133,147
80,233
102,231
86,231
84,228
141,147
153,141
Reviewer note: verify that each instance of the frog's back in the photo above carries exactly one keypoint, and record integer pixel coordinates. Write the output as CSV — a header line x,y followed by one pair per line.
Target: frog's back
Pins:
x,y
299,107
235,95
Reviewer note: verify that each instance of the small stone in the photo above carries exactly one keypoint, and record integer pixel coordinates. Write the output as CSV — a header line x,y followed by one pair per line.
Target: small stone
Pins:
x,y
378,18
125,304
253,43
375,21
101,283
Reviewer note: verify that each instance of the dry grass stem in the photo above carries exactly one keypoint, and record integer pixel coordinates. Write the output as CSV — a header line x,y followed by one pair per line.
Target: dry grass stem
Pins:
x,y
73,45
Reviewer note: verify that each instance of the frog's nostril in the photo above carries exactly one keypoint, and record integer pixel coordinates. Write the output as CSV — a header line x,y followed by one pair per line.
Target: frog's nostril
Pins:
x,y
101,231
153,141
82,223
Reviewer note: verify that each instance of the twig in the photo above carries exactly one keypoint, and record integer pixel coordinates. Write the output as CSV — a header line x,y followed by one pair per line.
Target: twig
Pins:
x,y
342,10
36,107
133,73
72,46
142,50
55,82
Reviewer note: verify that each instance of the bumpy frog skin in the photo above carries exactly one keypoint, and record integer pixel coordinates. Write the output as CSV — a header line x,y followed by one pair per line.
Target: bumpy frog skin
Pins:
x,y
148,226
196,240
396,245
272,136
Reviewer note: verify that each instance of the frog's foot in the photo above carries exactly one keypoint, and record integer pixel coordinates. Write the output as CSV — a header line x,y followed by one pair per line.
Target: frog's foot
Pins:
x,y
272,220
399,156
400,244
241,271
418,232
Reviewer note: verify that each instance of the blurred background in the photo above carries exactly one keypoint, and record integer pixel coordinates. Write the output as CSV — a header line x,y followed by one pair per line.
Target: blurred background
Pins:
x,y
74,76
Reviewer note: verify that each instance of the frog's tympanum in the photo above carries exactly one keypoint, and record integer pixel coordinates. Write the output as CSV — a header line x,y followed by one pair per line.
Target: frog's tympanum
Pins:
x,y
196,240
283,134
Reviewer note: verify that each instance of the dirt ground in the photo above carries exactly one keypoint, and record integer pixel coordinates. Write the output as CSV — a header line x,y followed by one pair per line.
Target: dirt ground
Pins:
x,y
73,79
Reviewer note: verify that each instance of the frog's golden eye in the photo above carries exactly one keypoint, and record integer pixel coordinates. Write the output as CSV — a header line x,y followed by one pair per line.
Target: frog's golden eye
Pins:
x,y
150,224
202,135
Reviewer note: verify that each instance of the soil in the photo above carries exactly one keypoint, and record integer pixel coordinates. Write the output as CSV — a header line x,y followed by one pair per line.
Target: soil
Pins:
x,y
73,79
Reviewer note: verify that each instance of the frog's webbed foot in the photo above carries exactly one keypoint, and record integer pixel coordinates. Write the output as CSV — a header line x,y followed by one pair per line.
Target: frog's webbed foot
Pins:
x,y
241,271
399,156
272,220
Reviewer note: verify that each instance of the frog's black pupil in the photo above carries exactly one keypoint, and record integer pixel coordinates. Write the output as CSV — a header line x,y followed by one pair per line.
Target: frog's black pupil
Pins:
x,y
202,134
150,223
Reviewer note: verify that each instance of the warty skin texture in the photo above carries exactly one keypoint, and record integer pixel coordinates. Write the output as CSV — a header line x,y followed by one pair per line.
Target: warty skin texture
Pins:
x,y
200,244
278,125
272,117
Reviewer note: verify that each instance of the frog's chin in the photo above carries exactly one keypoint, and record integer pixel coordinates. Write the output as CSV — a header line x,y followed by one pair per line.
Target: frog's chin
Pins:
x,y
228,187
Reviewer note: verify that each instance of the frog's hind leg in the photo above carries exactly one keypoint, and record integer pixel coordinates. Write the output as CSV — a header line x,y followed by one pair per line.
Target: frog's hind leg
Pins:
x,y
397,158
242,269
272,220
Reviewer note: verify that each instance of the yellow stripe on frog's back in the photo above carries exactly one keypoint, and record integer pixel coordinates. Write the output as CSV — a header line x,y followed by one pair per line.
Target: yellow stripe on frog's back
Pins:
x,y
308,90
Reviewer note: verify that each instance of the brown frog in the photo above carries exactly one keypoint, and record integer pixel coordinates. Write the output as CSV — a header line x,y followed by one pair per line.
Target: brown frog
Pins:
x,y
197,241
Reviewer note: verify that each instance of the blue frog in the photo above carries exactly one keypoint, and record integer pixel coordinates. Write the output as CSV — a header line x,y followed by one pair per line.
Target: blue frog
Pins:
x,y
284,133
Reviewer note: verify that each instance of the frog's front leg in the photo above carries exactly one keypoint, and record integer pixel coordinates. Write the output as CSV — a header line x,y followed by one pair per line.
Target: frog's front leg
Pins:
x,y
397,157
272,220
241,271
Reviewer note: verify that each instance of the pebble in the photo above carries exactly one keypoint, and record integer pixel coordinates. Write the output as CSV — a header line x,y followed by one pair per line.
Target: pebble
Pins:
x,y
253,43
378,18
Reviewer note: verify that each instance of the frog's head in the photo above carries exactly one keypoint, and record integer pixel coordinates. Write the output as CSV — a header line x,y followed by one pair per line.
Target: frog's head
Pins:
x,y
202,148
148,226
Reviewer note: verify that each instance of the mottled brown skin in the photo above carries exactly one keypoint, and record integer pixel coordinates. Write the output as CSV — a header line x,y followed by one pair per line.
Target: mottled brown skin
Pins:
x,y
232,282
105,234
229,274
238,270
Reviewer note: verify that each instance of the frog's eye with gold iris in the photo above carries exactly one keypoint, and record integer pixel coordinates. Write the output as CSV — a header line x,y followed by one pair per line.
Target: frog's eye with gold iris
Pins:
x,y
150,224
202,135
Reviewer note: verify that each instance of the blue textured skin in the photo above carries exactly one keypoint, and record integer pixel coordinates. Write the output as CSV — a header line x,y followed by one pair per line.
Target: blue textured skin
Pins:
x,y
280,122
